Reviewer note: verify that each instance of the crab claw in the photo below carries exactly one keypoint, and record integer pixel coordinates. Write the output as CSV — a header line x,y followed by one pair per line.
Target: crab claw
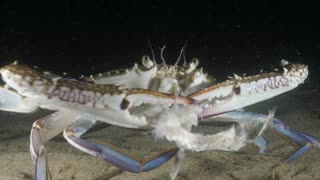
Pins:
x,y
304,141
243,91
11,101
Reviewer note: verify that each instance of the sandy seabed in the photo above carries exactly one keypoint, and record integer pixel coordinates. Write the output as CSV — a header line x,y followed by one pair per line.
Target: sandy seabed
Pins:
x,y
300,109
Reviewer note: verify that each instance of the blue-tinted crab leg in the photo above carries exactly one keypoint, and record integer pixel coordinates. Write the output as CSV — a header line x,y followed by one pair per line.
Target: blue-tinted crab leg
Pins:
x,y
42,131
111,154
253,124
303,140
41,170
298,153
261,144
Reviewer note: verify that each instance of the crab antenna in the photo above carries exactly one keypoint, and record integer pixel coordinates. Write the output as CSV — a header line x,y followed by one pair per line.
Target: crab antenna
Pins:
x,y
161,55
150,45
184,53
181,52
184,57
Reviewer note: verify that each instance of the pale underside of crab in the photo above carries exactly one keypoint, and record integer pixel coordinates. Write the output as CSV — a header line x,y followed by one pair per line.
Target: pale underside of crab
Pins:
x,y
165,99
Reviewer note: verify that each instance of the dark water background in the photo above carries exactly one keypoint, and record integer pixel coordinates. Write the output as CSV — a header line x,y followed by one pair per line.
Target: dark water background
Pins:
x,y
92,37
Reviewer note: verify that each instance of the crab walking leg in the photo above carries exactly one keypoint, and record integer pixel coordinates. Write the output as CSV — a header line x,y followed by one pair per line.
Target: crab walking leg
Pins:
x,y
304,141
42,131
253,124
113,155
261,144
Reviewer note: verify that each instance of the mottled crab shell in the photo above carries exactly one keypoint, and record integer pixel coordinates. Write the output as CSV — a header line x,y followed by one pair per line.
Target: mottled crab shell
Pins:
x,y
174,79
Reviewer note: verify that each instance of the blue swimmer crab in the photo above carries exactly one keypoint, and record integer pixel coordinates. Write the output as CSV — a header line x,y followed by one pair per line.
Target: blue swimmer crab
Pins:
x,y
165,99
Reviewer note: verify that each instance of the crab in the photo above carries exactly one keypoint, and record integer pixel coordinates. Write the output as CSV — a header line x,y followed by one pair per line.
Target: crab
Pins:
x,y
220,100
165,99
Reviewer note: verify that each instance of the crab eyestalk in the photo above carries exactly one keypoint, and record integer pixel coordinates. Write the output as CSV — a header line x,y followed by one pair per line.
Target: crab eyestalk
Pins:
x,y
240,91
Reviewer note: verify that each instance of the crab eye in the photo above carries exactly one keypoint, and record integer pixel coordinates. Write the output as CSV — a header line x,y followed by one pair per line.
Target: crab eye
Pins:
x,y
195,62
146,62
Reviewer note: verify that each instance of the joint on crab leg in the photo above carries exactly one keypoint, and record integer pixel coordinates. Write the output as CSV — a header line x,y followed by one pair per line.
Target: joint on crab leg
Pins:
x,y
113,155
261,144
42,131
304,141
